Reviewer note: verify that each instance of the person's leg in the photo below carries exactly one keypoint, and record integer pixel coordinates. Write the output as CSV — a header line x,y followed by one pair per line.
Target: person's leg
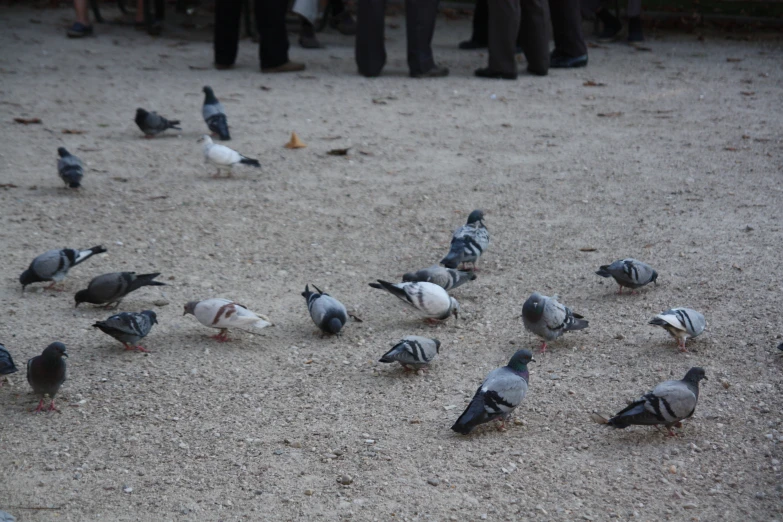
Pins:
x,y
503,28
419,28
341,19
273,37
226,37
370,49
570,48
534,31
635,33
81,27
480,23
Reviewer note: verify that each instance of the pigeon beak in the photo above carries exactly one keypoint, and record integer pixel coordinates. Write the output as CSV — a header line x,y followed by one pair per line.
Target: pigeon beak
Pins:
x,y
456,315
65,354
532,360
705,377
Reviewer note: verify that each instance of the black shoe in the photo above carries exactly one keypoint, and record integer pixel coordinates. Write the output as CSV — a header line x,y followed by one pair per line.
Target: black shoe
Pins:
x,y
469,45
561,61
612,26
635,33
307,38
436,72
79,30
486,72
344,23
537,72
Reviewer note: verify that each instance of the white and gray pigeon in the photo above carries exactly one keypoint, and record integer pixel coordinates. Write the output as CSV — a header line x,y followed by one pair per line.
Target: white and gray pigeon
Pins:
x,y
224,314
328,314
6,517
430,299
70,168
548,319
681,323
53,265
668,404
468,242
112,288
151,123
413,352
222,157
501,392
629,273
446,278
214,115
129,327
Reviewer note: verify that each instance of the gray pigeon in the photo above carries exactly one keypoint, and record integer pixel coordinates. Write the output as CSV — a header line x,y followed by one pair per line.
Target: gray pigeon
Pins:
x,y
430,299
214,114
446,278
111,288
548,319
6,517
70,168
129,327
7,366
681,323
468,242
668,404
413,351
151,123
53,265
501,392
46,373
327,313
629,273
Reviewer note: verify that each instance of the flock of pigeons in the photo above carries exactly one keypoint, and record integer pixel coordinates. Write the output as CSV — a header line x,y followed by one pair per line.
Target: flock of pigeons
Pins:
x,y
426,290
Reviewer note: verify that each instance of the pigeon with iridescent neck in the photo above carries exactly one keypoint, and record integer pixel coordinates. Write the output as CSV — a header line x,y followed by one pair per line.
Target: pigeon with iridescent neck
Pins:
x,y
214,115
46,373
53,265
129,327
468,242
501,392
328,314
548,319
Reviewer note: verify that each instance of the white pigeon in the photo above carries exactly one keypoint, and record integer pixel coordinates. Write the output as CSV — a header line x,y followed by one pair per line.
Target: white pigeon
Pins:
x,y
681,323
224,158
430,299
224,314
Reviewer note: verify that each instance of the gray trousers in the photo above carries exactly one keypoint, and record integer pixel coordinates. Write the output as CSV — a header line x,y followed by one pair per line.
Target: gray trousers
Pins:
x,y
504,24
419,28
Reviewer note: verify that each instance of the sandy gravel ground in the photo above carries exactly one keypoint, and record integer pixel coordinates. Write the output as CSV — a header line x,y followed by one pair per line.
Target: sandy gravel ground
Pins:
x,y
684,173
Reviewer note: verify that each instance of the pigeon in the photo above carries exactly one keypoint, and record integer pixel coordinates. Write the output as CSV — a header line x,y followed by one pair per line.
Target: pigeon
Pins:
x,y
70,168
446,278
7,366
151,123
629,273
224,314
214,115
111,288
223,157
54,265
668,404
413,351
681,323
468,242
129,327
548,319
46,373
432,300
501,392
327,313
6,517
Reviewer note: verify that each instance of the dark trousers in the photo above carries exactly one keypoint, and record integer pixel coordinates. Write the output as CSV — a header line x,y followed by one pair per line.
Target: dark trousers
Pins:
x,y
270,22
481,24
419,28
567,27
524,23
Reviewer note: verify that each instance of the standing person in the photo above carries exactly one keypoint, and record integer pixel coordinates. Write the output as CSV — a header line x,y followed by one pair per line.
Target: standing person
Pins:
x,y
307,10
512,23
479,38
273,38
82,26
419,28
570,48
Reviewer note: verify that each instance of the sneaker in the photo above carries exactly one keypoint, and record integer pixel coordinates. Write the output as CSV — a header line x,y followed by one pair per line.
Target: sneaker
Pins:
x,y
286,67
438,71
307,38
344,23
78,30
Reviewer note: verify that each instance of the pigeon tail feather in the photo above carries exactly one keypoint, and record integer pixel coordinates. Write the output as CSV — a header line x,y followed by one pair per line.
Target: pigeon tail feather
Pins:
x,y
474,415
250,161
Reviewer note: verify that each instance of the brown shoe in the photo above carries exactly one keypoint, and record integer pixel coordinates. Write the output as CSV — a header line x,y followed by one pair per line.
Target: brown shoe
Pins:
x,y
286,67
